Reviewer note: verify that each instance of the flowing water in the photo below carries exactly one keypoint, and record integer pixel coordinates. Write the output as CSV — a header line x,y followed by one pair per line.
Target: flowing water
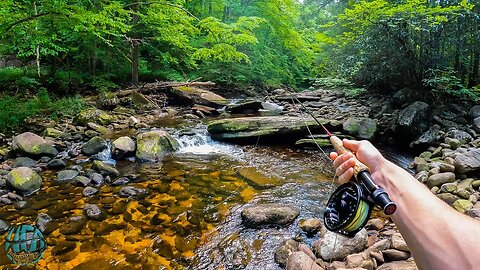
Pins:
x,y
190,218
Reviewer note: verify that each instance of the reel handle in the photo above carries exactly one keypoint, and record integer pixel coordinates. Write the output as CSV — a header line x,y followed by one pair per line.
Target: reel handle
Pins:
x,y
362,174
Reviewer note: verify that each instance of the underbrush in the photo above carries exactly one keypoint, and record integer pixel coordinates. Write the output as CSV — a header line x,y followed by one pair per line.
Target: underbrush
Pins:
x,y
15,109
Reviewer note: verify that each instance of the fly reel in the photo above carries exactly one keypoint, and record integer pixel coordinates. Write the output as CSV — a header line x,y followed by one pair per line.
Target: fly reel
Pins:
x,y
348,209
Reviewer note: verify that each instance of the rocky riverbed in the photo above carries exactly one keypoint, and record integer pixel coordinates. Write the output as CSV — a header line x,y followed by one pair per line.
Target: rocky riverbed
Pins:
x,y
118,185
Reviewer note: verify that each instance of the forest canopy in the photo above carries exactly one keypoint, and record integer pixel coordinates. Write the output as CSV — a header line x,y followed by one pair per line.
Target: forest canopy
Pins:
x,y
66,46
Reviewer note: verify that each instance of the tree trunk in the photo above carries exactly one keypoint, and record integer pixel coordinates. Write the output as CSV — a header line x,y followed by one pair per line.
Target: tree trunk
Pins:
x,y
37,50
135,45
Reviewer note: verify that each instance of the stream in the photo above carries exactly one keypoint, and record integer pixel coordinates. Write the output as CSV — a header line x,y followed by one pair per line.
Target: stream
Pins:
x,y
190,216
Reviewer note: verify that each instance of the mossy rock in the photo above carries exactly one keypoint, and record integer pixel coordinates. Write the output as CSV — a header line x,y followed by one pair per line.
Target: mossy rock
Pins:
x,y
94,115
193,95
361,127
31,144
24,180
153,145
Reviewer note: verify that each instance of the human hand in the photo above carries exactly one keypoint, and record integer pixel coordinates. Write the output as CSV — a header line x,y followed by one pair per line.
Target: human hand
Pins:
x,y
364,151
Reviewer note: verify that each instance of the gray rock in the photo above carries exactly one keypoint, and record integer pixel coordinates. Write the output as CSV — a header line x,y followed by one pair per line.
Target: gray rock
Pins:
x,y
81,181
44,223
334,246
97,179
468,162
132,192
24,180
269,214
248,106
363,128
395,255
123,147
89,191
94,146
412,121
31,144
24,162
301,261
430,137
105,169
460,135
153,145
92,211
440,179
272,107
284,251
380,245
475,111
66,176
56,164
476,124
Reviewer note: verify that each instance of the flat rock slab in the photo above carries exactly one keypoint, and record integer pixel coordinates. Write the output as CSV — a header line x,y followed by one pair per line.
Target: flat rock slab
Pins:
x,y
252,127
269,214
194,95
257,179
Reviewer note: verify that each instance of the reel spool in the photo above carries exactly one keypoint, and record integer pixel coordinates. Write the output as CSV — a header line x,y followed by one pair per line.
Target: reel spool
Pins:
x,y
348,209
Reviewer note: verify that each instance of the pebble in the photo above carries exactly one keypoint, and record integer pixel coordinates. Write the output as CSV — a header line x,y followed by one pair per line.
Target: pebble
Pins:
x,y
94,212
130,191
395,255
311,225
399,243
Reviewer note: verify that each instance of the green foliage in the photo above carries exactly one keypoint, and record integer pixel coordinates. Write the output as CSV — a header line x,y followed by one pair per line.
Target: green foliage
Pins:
x,y
340,84
445,84
15,79
16,109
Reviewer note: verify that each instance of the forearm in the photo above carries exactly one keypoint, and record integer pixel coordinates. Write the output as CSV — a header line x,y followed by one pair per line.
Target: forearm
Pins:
x,y
438,236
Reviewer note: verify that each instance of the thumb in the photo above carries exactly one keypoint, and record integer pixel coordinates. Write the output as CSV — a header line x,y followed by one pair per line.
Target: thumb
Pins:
x,y
352,145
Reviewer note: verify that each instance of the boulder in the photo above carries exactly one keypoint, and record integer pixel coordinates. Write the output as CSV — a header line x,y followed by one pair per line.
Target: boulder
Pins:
x,y
301,261
440,179
105,169
468,161
248,106
153,145
253,127
56,164
94,146
192,95
123,147
361,127
431,137
475,111
24,180
94,115
269,214
476,124
31,144
107,100
272,107
460,135
412,121
140,101
333,246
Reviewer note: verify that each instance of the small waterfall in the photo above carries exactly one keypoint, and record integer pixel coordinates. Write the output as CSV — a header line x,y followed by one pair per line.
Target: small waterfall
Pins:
x,y
198,141
105,155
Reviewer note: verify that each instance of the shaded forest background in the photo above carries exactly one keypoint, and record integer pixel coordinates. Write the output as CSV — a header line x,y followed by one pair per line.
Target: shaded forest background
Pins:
x,y
64,47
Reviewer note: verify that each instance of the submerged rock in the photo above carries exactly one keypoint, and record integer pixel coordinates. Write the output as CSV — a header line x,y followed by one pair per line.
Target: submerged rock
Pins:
x,y
259,180
134,192
285,250
31,144
153,145
24,162
66,176
269,214
333,246
24,180
104,168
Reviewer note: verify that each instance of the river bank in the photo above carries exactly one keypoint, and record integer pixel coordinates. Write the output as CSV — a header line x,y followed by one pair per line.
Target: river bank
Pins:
x,y
122,179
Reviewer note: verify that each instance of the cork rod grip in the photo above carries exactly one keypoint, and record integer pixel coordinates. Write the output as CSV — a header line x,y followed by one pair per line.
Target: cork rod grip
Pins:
x,y
338,145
